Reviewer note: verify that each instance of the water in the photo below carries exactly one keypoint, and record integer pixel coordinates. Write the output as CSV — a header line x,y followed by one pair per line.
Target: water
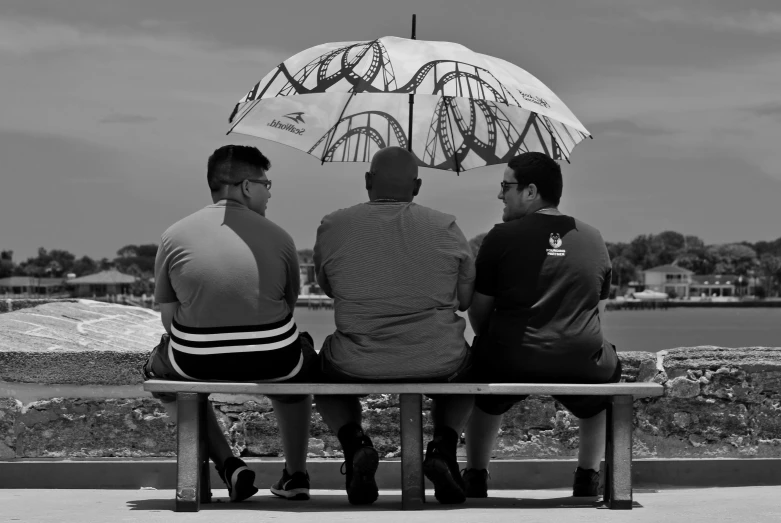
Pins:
x,y
646,330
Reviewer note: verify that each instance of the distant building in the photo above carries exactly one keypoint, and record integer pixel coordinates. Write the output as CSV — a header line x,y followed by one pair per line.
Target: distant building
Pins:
x,y
670,279
307,273
31,286
723,285
103,283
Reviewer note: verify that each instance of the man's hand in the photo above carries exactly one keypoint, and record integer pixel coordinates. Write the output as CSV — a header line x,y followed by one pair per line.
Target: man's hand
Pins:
x,y
480,312
464,292
167,311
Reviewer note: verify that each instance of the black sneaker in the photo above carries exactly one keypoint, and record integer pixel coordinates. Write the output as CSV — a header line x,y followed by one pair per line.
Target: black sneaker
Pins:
x,y
442,470
475,483
293,487
239,479
359,471
586,483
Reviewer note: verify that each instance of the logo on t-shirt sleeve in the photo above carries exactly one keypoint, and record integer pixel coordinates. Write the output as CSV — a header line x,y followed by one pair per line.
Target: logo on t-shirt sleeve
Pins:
x,y
555,242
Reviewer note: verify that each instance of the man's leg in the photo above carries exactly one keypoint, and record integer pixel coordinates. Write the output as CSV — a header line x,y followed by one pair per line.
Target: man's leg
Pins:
x,y
441,464
452,411
481,434
590,453
481,431
238,478
219,449
293,420
342,414
338,411
592,441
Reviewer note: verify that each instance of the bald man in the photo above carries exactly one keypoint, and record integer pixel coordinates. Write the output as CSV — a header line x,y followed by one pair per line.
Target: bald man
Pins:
x,y
397,272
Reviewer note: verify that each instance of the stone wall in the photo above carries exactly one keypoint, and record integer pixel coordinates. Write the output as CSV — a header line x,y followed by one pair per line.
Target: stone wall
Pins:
x,y
718,402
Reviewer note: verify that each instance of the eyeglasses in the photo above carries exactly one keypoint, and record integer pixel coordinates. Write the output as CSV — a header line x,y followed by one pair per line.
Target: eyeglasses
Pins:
x,y
265,183
506,185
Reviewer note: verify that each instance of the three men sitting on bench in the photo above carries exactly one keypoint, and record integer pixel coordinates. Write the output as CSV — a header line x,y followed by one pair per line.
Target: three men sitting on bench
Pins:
x,y
227,282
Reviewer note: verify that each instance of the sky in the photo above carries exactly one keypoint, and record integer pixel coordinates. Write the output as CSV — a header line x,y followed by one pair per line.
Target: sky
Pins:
x,y
109,110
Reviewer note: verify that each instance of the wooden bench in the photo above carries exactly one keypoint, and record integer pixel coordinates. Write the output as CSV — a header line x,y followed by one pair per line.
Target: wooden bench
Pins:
x,y
193,487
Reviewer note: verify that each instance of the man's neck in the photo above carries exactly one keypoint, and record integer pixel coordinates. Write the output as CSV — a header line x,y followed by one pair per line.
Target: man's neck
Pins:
x,y
373,198
546,208
226,199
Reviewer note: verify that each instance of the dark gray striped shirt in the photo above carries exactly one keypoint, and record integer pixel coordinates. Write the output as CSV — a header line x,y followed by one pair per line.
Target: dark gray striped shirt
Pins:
x,y
393,270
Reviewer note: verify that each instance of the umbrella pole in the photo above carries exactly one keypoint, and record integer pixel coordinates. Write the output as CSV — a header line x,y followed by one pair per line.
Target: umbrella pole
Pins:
x,y
411,98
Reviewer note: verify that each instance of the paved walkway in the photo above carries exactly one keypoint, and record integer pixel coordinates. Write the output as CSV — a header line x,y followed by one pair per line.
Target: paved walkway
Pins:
x,y
744,504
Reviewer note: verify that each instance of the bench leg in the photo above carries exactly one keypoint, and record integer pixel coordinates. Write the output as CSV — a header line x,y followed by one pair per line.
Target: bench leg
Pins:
x,y
618,454
190,422
203,449
411,421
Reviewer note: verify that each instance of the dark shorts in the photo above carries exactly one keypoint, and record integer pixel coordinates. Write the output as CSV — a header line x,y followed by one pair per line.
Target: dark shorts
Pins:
x,y
582,407
158,366
331,374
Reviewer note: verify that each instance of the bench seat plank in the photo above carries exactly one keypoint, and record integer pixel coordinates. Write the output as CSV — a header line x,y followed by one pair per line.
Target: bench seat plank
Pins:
x,y
610,389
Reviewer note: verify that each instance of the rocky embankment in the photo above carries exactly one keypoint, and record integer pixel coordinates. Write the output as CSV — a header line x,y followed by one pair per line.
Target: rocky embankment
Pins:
x,y
81,359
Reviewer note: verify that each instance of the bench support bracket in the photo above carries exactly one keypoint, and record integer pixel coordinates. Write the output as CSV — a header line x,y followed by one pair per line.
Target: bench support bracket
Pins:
x,y
618,454
412,481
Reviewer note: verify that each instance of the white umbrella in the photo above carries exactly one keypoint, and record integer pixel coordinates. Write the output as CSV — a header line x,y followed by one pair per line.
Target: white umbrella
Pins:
x,y
453,108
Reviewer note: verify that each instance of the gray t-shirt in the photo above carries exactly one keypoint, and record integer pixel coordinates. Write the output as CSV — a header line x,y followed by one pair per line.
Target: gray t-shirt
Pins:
x,y
235,275
393,269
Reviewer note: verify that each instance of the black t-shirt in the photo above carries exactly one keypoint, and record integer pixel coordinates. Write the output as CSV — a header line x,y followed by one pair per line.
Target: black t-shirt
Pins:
x,y
547,275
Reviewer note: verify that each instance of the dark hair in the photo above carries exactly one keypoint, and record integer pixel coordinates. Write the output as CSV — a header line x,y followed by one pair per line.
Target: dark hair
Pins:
x,y
541,170
231,164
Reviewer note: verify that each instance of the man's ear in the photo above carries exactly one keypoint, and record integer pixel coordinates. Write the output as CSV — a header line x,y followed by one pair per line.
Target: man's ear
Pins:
x,y
368,178
245,188
532,191
416,189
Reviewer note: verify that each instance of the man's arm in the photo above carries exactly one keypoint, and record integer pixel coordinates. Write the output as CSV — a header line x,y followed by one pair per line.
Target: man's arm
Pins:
x,y
466,269
167,311
602,304
165,295
465,292
293,283
322,279
480,312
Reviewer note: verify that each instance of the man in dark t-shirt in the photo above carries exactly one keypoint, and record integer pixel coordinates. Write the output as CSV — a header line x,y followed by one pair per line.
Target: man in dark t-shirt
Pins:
x,y
542,281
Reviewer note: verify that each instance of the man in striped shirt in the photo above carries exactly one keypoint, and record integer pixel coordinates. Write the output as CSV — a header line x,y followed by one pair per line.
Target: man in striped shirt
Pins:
x,y
397,272
227,280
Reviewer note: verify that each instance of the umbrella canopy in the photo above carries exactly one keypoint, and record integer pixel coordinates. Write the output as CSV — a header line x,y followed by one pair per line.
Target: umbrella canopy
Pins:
x,y
344,101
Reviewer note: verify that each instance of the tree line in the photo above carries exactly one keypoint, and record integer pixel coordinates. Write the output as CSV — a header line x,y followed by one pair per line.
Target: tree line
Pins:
x,y
761,259
136,260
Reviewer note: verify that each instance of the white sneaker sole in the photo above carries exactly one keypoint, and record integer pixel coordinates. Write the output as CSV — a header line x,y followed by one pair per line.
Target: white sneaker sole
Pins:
x,y
294,494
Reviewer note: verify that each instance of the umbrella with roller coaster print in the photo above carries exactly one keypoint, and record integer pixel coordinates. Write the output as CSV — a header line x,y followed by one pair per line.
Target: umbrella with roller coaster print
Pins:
x,y
462,110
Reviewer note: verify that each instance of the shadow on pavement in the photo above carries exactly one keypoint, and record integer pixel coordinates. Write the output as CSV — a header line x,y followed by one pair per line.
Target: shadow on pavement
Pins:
x,y
388,502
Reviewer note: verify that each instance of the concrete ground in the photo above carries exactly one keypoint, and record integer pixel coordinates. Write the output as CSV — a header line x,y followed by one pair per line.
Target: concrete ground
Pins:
x,y
744,504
